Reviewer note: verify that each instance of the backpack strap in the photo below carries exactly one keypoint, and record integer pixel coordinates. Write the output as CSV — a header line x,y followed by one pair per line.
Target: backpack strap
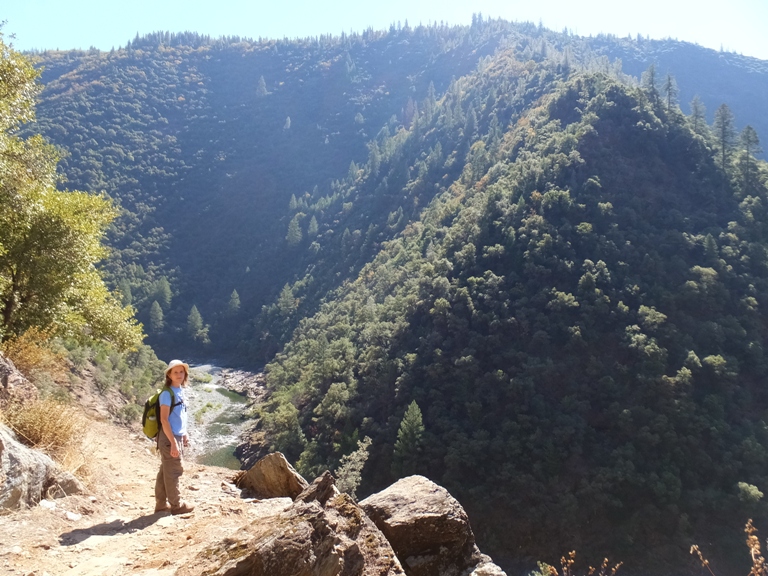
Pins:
x,y
173,399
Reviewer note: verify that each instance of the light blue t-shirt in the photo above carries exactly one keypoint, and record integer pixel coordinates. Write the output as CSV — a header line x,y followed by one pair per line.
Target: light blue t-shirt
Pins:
x,y
178,416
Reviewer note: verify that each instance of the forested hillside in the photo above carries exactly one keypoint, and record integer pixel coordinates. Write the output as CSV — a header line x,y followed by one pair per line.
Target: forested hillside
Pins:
x,y
216,150
579,318
512,266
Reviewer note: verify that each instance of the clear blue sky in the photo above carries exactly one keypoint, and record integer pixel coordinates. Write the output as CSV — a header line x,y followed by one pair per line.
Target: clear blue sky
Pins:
x,y
737,25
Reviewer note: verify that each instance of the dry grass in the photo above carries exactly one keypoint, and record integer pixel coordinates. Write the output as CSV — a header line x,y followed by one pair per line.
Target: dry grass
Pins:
x,y
55,428
759,567
30,352
753,543
566,567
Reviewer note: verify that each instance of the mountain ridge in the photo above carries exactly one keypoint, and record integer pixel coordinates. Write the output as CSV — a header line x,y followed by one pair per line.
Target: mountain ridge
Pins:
x,y
218,82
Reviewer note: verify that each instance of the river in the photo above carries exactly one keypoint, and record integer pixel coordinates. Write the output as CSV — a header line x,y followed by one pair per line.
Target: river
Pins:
x,y
220,401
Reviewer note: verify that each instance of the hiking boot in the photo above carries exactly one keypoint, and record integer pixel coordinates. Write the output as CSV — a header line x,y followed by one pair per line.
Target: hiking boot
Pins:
x,y
162,508
182,508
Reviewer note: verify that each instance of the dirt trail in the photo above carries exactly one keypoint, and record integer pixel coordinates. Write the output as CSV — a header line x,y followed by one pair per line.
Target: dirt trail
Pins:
x,y
113,530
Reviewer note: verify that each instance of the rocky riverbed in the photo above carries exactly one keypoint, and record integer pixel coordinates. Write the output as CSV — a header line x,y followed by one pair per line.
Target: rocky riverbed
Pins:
x,y
221,402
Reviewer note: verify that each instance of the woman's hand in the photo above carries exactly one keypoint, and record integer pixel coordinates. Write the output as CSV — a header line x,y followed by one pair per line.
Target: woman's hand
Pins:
x,y
185,440
174,448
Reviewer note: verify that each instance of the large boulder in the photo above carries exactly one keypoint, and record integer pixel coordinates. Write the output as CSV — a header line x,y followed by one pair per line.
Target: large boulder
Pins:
x,y
272,477
307,539
27,475
13,386
428,529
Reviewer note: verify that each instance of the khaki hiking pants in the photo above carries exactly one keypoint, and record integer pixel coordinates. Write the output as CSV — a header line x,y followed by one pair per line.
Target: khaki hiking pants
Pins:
x,y
171,469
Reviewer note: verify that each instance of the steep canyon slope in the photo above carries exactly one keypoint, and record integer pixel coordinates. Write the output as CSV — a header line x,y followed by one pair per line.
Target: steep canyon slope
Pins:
x,y
561,272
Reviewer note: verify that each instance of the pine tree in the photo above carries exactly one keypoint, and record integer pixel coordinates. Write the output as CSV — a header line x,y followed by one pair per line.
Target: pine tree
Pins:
x,y
346,241
750,146
261,89
233,306
352,172
349,473
409,112
162,292
195,327
750,143
286,302
670,92
650,87
698,115
194,321
312,228
409,441
725,133
156,323
294,231
374,159
430,103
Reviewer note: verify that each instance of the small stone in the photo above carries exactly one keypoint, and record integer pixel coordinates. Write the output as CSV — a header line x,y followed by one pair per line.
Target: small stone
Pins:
x,y
47,504
92,498
166,521
194,488
16,550
72,516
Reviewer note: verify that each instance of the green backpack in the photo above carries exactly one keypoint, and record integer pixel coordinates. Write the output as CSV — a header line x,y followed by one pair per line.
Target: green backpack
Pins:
x,y
150,420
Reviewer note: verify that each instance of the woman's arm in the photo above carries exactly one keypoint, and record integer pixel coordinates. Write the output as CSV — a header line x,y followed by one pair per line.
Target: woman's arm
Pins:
x,y
165,411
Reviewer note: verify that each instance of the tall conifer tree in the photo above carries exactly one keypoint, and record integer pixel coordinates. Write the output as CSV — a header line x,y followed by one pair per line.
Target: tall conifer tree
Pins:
x,y
725,133
409,441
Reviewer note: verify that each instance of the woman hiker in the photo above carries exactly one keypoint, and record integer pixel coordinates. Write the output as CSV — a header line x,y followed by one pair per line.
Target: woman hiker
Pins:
x,y
171,440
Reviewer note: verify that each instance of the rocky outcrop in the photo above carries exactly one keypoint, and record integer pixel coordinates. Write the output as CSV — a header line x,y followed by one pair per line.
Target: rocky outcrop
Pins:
x,y
307,539
413,528
321,490
428,529
13,386
27,476
272,477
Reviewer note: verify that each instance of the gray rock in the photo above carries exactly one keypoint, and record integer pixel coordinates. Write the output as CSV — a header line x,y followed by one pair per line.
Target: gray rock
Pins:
x,y
61,483
305,540
428,529
27,475
13,386
272,477
484,567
